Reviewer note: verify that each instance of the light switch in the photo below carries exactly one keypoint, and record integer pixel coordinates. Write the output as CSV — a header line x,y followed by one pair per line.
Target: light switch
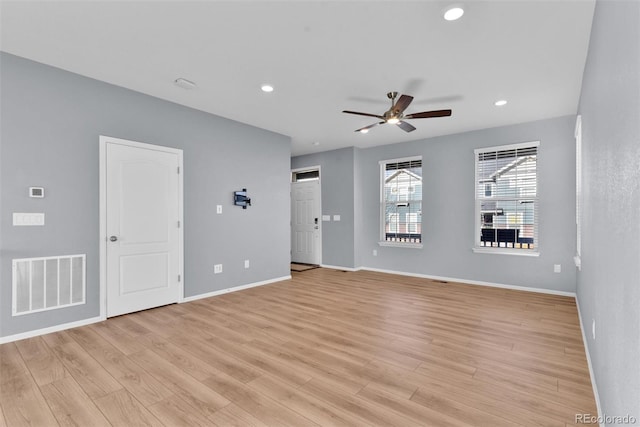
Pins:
x,y
336,217
326,217
218,209
20,218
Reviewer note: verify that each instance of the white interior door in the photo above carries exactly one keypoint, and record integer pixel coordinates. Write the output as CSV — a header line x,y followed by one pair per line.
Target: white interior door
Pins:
x,y
305,222
143,238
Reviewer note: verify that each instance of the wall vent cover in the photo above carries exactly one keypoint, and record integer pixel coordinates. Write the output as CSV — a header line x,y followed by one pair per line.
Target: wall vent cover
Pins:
x,y
41,284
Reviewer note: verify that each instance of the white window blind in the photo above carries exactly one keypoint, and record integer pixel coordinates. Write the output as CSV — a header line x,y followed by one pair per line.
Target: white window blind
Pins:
x,y
507,197
401,201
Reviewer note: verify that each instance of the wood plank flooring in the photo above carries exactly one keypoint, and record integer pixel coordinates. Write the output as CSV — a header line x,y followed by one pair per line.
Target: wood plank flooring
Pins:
x,y
325,348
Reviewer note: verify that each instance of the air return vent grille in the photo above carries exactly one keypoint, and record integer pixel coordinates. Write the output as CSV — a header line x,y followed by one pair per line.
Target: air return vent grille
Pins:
x,y
41,284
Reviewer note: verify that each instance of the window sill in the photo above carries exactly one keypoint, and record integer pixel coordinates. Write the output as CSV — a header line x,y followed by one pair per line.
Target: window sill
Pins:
x,y
401,245
578,262
506,251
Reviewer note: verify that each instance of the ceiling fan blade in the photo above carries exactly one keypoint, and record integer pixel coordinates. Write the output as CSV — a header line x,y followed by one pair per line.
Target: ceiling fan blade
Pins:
x,y
406,126
369,127
363,114
428,114
402,103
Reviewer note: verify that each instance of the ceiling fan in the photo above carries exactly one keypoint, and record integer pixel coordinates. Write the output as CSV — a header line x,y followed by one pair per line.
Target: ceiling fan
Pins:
x,y
395,115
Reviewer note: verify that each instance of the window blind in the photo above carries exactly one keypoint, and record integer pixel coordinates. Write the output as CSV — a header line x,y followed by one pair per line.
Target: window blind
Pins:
x,y
404,164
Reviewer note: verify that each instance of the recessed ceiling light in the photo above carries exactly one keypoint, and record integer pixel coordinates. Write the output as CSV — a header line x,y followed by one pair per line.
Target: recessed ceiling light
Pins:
x,y
453,13
184,83
267,88
364,130
500,103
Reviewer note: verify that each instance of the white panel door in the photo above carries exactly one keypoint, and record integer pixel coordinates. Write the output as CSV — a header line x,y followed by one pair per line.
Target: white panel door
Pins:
x,y
305,222
143,205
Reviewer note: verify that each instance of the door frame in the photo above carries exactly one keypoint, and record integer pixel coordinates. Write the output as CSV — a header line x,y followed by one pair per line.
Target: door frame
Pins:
x,y
306,169
103,238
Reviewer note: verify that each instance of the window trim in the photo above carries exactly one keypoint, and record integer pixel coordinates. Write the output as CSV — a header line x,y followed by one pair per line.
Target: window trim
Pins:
x,y
382,240
477,229
578,135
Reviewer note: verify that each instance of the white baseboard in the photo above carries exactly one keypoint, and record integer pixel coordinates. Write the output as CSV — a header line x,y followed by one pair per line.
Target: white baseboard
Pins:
x,y
57,328
235,289
337,267
473,282
591,373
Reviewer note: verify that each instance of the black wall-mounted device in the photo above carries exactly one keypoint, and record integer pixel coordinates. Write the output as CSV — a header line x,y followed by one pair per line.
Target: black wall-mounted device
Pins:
x,y
240,198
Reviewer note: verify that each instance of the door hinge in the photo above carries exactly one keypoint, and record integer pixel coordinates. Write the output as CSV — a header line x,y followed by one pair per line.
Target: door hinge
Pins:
x,y
178,170
179,278
178,224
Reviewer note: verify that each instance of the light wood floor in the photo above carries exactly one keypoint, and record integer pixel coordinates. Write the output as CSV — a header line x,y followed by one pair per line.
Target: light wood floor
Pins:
x,y
326,348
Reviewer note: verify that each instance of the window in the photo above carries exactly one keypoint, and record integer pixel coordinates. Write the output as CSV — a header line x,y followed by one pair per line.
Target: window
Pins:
x,y
507,199
393,223
401,202
412,222
305,175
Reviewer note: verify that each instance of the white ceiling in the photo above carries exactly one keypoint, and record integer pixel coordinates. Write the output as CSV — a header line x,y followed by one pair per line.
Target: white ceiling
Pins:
x,y
322,57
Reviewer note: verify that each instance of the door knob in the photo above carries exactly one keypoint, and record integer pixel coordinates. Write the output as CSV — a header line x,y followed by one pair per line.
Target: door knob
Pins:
x,y
113,238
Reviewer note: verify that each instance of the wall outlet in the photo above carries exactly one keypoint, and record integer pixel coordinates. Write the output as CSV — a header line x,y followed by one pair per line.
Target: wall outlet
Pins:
x,y
246,263
375,252
557,268
218,209
217,268
593,328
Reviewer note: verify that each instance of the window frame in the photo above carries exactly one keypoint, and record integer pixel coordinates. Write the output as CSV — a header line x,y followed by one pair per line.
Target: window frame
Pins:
x,y
477,210
382,236
578,135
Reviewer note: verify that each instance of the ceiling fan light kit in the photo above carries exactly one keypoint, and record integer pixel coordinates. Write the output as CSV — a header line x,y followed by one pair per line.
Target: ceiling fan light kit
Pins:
x,y
395,115
453,13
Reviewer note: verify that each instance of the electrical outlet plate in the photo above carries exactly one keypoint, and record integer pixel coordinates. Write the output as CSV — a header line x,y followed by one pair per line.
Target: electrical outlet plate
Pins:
x,y
217,269
246,263
218,209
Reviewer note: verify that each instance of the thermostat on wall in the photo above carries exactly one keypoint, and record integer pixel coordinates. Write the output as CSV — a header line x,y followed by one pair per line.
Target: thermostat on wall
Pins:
x,y
37,192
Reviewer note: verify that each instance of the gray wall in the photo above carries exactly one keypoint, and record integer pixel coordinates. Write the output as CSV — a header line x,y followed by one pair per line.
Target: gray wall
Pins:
x,y
50,123
609,283
448,206
336,178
